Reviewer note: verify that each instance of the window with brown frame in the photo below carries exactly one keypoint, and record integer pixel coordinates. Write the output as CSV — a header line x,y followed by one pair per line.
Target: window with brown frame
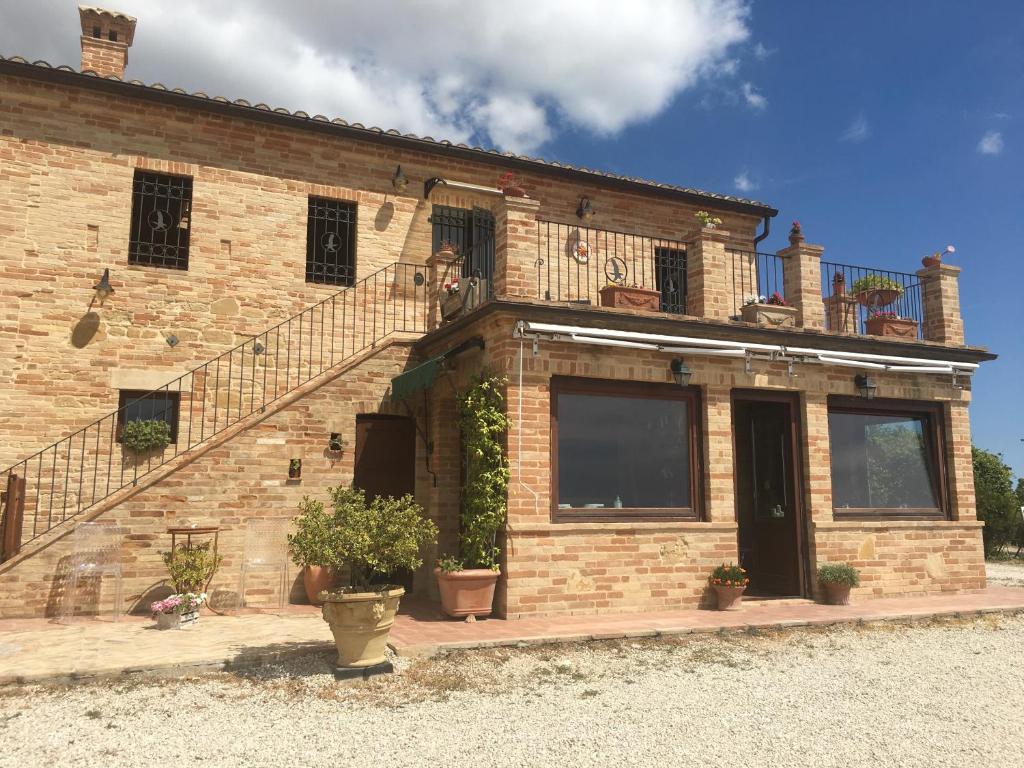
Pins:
x,y
624,450
139,405
887,459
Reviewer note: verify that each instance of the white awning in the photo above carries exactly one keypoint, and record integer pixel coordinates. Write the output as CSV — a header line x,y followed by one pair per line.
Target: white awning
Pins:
x,y
695,345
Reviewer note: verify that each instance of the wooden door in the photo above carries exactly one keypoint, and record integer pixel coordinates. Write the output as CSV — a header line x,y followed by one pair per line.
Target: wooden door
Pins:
x,y
385,455
768,507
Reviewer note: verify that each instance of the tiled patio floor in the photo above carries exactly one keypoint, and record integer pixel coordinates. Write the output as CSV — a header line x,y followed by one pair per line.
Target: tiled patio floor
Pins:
x,y
36,649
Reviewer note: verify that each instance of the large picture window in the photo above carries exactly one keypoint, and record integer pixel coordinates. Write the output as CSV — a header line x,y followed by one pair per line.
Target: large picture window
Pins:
x,y
623,450
886,460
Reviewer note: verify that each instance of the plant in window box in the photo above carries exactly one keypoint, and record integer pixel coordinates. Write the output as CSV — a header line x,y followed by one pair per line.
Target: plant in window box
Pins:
x,y
145,435
838,579
466,582
312,548
728,582
370,541
177,611
890,324
876,291
769,311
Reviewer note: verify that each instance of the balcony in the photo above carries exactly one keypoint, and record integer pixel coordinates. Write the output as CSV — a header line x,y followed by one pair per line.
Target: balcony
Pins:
x,y
577,266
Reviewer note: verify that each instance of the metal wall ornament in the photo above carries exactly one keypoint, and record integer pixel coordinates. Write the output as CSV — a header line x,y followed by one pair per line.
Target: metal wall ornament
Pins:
x,y
615,270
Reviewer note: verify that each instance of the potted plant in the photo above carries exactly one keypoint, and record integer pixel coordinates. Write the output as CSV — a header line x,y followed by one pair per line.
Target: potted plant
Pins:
x,y
448,248
509,186
294,469
312,548
451,298
890,324
796,233
630,297
769,312
728,582
936,258
371,540
146,435
191,567
177,611
838,579
466,582
707,221
876,291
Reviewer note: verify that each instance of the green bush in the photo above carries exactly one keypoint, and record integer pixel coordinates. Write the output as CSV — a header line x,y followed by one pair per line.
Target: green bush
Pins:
x,y
145,435
995,500
729,576
314,540
873,282
191,566
378,538
839,573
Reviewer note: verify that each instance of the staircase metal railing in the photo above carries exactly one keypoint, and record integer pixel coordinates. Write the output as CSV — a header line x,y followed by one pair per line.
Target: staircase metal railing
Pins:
x,y
79,471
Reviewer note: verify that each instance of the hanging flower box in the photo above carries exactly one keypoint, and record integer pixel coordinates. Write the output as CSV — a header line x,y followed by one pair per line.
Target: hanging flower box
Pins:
x,y
890,325
622,297
770,315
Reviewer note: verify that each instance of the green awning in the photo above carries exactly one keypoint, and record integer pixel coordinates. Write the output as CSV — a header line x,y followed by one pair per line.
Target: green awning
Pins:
x,y
407,384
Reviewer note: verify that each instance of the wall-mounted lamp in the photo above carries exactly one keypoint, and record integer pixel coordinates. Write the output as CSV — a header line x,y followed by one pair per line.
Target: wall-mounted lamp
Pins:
x,y
103,288
257,348
585,211
399,181
172,341
335,443
865,385
680,372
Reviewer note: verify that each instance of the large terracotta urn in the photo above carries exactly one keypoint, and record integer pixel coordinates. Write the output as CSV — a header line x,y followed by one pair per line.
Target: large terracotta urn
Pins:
x,y
467,593
316,579
360,623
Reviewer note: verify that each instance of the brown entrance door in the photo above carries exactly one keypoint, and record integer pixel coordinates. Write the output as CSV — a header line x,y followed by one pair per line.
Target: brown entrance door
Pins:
x,y
386,465
767,502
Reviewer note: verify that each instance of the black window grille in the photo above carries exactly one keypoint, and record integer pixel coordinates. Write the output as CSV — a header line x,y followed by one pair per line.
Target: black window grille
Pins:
x,y
331,242
670,278
471,231
161,211
138,405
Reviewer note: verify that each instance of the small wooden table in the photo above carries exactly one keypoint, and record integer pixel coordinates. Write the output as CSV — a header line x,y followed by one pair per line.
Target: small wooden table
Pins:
x,y
188,531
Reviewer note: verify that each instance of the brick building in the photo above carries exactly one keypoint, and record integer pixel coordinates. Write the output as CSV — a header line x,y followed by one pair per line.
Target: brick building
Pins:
x,y
273,272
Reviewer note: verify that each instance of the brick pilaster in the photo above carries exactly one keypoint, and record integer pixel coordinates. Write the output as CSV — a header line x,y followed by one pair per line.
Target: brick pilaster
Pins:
x,y
801,278
959,461
940,297
719,488
708,287
515,247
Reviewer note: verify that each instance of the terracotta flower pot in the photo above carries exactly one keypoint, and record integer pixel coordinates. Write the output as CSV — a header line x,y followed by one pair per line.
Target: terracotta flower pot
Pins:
x,y
316,579
931,261
467,593
891,326
770,315
360,623
630,298
513,190
836,594
729,598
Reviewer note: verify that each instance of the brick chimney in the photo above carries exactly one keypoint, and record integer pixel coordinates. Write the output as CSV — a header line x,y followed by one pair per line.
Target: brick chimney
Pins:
x,y
106,36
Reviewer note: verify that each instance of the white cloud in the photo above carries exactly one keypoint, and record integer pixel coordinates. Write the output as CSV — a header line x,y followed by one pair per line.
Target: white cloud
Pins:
x,y
859,130
754,99
991,143
430,67
761,52
744,183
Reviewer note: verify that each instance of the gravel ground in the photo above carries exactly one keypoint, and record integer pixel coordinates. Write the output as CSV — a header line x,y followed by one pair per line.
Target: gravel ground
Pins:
x,y
1006,573
943,693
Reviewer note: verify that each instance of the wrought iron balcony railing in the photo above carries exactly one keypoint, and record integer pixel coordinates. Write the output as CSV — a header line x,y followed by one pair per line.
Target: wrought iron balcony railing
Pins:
x,y
854,295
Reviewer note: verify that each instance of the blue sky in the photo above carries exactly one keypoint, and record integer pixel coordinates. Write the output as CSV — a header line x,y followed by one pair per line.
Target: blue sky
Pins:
x,y
888,129
869,136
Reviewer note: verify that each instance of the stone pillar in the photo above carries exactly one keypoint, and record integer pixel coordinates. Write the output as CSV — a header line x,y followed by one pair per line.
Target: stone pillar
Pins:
x,y
515,247
106,36
708,289
441,266
801,279
959,460
840,308
940,299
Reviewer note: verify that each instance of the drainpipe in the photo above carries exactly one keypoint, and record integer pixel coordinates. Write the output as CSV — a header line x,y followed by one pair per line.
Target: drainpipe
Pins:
x,y
763,235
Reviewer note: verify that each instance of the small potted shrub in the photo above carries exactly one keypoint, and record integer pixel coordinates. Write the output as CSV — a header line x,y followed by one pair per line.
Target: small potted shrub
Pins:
x,y
769,311
146,435
371,540
838,579
312,548
466,582
191,566
729,581
876,291
177,611
707,221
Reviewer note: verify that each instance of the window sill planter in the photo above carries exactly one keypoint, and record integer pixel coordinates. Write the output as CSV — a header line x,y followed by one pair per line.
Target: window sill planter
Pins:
x,y
729,598
621,297
890,326
317,579
467,593
176,620
770,315
361,623
836,594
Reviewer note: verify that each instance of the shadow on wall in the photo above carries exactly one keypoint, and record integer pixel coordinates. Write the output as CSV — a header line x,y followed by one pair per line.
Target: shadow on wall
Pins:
x,y
85,329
